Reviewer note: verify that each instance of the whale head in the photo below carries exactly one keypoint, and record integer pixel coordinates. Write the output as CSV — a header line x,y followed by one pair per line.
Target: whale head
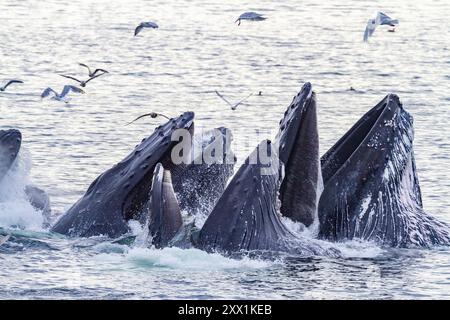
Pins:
x,y
120,193
372,188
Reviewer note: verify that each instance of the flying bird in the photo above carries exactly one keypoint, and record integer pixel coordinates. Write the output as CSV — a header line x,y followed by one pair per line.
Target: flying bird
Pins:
x,y
151,114
380,19
251,16
3,239
82,82
92,74
143,25
233,106
9,83
62,96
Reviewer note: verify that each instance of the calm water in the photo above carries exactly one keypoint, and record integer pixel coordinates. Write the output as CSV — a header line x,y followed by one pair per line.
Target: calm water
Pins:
x,y
196,50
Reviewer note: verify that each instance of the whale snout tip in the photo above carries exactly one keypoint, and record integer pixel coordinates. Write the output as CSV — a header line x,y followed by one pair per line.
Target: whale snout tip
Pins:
x,y
187,119
189,115
307,85
394,97
14,132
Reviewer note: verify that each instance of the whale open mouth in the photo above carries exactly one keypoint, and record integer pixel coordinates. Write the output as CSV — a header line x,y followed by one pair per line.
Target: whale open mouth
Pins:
x,y
156,149
298,143
363,132
371,188
120,193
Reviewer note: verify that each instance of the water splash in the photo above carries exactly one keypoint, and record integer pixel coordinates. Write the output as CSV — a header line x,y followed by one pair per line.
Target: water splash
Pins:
x,y
15,209
191,259
355,248
140,254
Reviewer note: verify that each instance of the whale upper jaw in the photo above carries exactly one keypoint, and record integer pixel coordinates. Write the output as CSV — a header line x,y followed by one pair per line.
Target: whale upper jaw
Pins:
x,y
10,142
120,193
291,122
298,144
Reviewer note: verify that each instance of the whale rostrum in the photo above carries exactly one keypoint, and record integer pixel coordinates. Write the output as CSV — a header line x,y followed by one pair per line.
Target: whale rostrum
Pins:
x,y
298,144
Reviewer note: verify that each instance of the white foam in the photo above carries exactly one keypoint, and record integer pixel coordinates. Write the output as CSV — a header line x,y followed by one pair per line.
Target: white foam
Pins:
x,y
359,249
355,248
135,227
296,228
108,247
176,258
199,219
194,259
15,209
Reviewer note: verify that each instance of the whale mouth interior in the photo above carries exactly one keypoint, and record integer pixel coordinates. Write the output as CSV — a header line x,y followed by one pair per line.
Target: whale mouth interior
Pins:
x,y
349,143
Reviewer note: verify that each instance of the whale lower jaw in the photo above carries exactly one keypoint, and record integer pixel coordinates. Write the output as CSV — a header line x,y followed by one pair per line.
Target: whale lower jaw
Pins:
x,y
246,217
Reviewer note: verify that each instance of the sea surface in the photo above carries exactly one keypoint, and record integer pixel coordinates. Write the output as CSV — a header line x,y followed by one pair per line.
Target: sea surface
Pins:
x,y
198,49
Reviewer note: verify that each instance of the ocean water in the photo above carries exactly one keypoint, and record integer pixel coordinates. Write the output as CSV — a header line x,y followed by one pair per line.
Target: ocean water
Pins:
x,y
196,50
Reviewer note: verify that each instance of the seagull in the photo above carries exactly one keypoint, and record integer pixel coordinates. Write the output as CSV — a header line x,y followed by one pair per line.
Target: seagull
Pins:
x,y
143,25
3,239
251,16
380,19
9,82
92,74
64,93
151,114
82,83
233,106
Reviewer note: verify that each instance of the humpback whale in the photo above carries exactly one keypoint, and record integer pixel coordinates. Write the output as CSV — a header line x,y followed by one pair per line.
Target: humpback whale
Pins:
x,y
365,187
246,216
298,144
372,189
120,193
164,215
